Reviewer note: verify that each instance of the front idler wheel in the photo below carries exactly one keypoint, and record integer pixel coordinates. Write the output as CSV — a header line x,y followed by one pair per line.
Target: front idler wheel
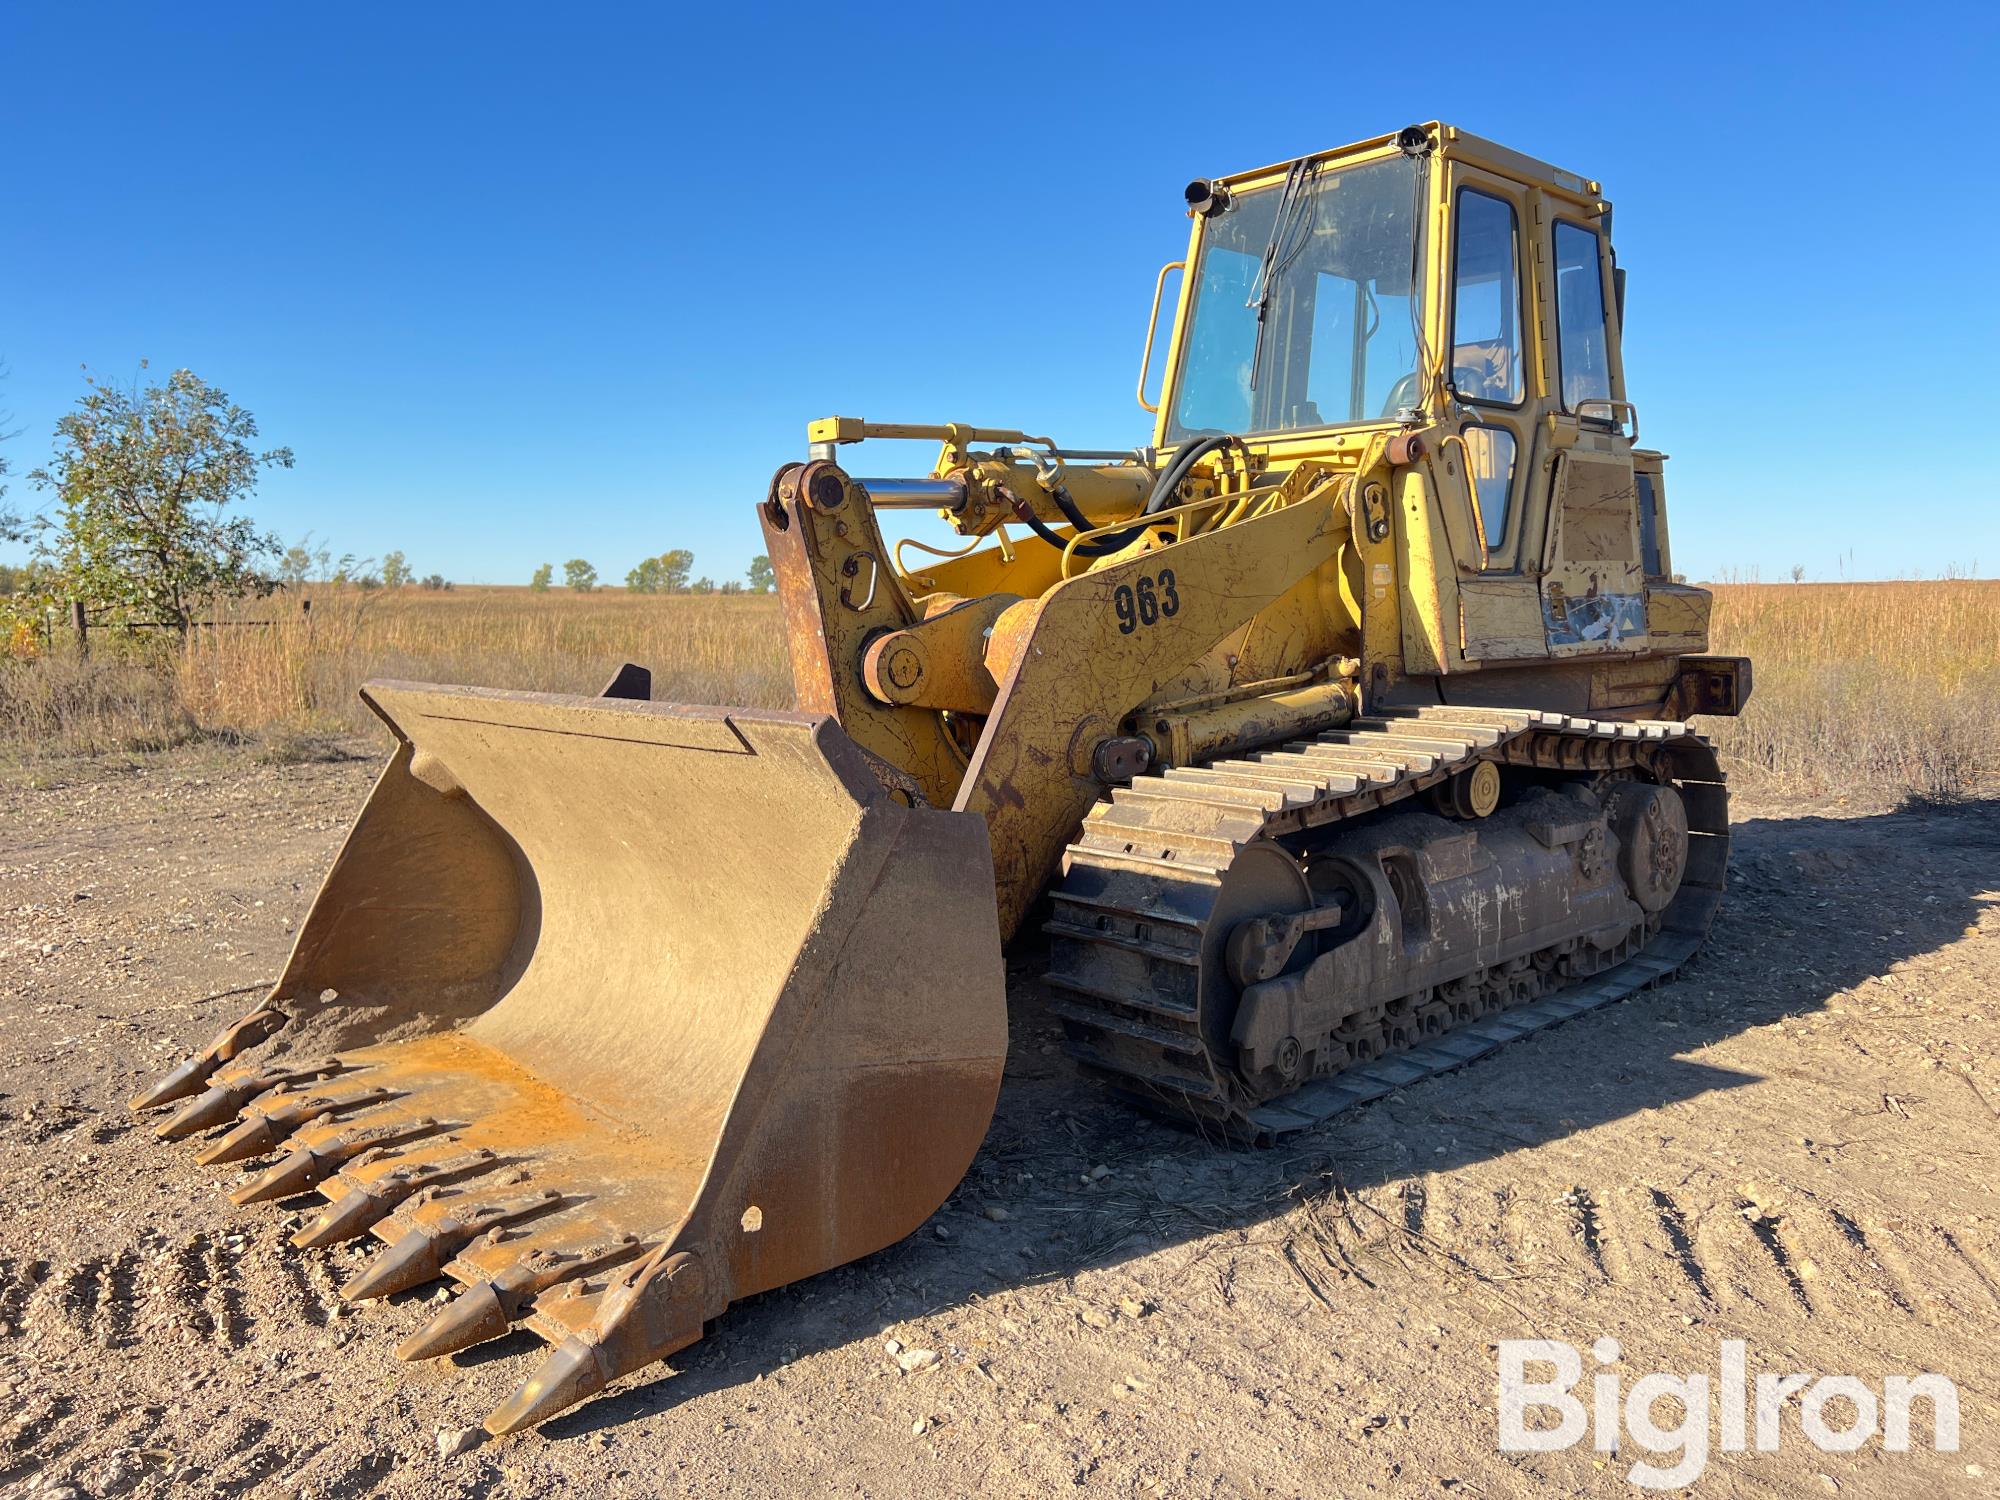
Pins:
x,y
1651,825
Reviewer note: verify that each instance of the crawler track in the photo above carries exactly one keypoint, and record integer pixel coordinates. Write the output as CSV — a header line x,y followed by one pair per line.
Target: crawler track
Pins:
x,y
1139,919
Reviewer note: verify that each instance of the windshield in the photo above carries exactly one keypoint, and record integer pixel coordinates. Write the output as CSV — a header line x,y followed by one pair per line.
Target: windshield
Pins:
x,y
1329,280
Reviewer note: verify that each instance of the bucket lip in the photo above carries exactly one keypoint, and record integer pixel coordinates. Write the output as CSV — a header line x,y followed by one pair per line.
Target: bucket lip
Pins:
x,y
867,781
638,706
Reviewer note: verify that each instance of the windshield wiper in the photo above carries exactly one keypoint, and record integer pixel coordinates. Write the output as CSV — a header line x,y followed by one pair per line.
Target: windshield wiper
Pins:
x,y
1277,260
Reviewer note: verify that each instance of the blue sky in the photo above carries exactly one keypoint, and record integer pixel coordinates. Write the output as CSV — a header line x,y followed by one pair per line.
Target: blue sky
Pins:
x,y
519,284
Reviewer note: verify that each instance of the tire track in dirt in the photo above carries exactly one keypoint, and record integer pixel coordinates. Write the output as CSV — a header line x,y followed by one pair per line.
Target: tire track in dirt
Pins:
x,y
301,1300
1743,1276
70,1297
1560,1235
1510,1230
1867,1267
1621,1233
1584,1222
1970,1260
1673,1224
18,1282
278,1290
27,1440
118,1300
190,1287
1767,1230
129,1464
1415,1198
252,1467
1913,1279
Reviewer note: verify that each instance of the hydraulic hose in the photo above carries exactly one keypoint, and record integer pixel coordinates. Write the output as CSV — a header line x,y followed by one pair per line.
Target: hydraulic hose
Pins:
x,y
1099,548
1179,465
1184,458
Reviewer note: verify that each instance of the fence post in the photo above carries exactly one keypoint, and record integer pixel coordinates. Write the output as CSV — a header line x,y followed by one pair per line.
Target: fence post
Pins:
x,y
80,623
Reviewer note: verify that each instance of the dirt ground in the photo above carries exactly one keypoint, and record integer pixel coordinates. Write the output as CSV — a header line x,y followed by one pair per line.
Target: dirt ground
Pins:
x,y
1792,1145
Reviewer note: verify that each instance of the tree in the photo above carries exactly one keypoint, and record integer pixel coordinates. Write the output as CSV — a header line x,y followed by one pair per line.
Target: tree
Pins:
x,y
296,563
12,527
350,569
395,570
436,581
579,575
143,481
702,586
762,577
539,582
1798,572
665,574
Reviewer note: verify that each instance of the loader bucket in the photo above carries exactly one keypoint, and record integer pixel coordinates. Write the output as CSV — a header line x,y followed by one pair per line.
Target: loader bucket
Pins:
x,y
617,1012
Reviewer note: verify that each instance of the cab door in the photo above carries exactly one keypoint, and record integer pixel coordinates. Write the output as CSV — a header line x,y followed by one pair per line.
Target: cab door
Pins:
x,y
1498,390
1593,585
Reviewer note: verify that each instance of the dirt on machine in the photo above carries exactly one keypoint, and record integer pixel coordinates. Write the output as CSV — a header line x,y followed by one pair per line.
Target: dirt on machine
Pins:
x,y
1333,739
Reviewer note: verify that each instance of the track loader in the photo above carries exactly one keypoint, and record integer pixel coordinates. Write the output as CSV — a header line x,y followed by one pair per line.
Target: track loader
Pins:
x,y
1332,740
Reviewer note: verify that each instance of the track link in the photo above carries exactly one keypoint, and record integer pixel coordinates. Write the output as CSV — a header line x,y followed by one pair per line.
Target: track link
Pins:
x,y
1136,917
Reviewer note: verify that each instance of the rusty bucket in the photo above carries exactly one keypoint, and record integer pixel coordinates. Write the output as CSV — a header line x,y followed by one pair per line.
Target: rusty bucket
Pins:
x,y
615,1012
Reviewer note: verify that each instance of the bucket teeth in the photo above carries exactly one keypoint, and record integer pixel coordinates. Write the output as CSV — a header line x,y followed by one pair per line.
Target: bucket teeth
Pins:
x,y
420,1253
309,1165
363,1204
574,1372
226,1096
651,1310
486,1310
264,1129
203,1112
342,1219
191,1076
178,1082
287,1179
472,1317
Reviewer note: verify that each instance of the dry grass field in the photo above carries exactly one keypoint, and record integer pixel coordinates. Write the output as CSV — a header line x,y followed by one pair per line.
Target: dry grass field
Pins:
x,y
1876,687
292,681
1894,684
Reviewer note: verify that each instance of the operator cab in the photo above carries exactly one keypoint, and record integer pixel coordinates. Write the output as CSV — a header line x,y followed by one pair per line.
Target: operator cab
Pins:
x,y
1434,283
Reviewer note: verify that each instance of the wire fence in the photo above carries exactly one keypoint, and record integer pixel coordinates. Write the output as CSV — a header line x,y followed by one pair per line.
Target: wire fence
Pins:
x,y
80,626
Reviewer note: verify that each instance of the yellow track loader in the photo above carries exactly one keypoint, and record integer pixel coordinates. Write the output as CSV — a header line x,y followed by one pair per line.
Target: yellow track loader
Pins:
x,y
1333,740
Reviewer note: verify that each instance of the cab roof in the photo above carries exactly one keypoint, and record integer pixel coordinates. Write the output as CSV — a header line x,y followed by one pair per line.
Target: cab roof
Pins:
x,y
1454,144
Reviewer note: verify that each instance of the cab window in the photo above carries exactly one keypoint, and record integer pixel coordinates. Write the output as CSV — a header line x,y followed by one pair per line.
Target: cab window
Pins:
x,y
1489,452
1486,301
1581,344
1305,313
